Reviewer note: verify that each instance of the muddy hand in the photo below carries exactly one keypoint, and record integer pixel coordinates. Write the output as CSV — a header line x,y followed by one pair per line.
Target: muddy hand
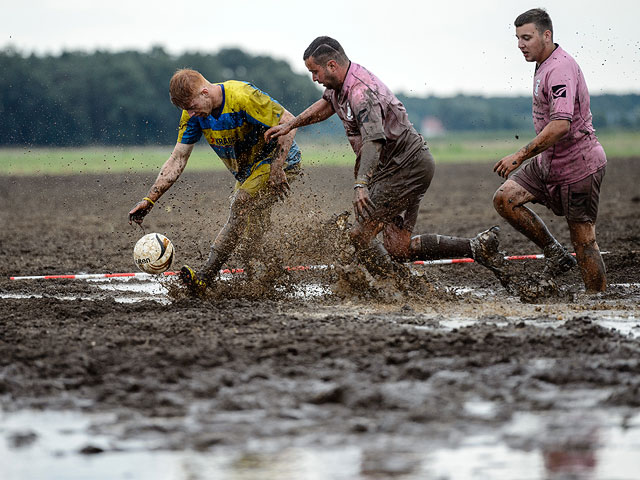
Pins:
x,y
507,165
275,132
363,207
137,213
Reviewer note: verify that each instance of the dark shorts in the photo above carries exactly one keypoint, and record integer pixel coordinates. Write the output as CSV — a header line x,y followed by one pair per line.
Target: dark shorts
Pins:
x,y
578,201
397,197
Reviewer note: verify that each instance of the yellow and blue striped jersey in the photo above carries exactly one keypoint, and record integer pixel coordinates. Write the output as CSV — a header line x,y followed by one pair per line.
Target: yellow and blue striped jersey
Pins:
x,y
235,131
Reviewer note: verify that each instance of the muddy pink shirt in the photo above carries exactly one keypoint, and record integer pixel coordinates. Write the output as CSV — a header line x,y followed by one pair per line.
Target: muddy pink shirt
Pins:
x,y
370,111
560,93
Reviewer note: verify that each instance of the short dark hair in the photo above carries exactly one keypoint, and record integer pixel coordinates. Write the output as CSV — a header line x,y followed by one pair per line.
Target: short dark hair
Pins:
x,y
323,49
539,17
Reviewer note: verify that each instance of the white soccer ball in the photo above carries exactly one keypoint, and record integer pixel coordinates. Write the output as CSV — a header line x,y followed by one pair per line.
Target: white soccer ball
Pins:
x,y
153,253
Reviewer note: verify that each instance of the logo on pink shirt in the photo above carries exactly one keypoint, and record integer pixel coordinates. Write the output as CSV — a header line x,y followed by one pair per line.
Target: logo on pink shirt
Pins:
x,y
558,91
349,113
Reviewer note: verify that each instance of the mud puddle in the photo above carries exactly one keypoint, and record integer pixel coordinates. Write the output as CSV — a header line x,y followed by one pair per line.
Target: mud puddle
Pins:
x,y
582,444
132,290
620,321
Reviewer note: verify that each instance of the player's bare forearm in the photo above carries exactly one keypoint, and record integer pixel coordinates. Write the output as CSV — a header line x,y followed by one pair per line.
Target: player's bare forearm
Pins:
x,y
369,158
319,111
284,142
363,207
549,136
170,171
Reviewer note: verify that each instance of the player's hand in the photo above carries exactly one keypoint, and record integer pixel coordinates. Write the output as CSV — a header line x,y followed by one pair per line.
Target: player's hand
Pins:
x,y
137,213
507,165
278,183
276,131
363,207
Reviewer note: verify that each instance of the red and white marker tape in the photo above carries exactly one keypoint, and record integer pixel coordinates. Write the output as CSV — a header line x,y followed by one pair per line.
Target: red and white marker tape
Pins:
x,y
449,261
299,268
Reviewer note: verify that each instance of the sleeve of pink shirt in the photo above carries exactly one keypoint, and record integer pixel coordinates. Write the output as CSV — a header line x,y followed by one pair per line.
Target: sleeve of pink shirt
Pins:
x,y
563,83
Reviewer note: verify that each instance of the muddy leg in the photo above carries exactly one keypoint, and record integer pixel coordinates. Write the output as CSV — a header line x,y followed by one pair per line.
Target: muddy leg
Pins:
x,y
431,246
369,250
227,239
592,268
253,248
509,202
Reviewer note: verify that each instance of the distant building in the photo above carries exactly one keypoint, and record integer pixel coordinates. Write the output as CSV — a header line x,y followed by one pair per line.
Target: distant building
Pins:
x,y
432,127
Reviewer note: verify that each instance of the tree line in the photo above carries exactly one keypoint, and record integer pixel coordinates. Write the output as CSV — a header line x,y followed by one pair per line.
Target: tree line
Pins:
x,y
121,98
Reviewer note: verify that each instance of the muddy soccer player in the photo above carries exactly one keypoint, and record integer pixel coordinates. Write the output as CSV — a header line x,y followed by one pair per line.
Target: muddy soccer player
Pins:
x,y
567,162
393,166
233,117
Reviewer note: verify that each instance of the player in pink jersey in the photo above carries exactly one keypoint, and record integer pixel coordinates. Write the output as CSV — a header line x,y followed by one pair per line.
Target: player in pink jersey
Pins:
x,y
393,167
567,162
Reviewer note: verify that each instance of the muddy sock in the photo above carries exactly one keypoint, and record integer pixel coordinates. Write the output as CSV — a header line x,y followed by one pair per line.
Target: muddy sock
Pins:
x,y
376,259
432,246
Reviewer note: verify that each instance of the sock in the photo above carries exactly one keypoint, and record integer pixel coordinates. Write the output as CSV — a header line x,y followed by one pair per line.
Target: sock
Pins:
x,y
432,246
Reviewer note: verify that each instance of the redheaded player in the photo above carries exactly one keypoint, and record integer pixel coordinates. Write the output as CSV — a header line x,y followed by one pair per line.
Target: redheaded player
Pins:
x,y
233,117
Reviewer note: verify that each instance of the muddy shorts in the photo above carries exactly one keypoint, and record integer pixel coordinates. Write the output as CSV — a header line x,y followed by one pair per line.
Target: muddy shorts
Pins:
x,y
256,182
397,197
578,201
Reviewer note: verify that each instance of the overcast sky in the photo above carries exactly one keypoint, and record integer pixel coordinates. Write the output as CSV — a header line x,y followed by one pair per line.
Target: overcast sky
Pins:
x,y
418,47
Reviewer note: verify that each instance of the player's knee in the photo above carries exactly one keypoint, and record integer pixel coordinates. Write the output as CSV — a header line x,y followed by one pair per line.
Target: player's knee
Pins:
x,y
584,244
356,236
399,250
501,201
583,235
242,205
398,244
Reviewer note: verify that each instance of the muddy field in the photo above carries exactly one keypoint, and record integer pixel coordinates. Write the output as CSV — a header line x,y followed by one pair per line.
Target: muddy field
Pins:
x,y
371,381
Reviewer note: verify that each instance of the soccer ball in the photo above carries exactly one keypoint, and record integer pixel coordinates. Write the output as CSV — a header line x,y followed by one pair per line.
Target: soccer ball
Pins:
x,y
153,253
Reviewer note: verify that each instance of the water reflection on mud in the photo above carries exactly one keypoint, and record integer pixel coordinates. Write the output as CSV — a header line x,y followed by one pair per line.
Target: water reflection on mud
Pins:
x,y
594,445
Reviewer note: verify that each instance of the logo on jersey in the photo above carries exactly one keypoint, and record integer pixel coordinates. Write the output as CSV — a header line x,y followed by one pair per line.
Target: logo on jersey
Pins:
x,y
224,141
558,91
535,91
349,113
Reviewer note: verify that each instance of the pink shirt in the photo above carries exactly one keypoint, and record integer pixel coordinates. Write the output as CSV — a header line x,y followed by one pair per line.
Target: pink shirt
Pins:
x,y
370,111
560,93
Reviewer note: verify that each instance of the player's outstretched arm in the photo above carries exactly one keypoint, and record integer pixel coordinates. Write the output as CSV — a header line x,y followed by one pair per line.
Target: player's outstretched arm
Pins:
x,y
169,173
549,136
318,112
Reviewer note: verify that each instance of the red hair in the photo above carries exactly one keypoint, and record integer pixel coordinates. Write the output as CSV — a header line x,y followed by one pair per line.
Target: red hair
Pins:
x,y
184,86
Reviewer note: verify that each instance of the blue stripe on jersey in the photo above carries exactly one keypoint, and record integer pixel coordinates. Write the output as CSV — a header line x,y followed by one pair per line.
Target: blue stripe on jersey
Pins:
x,y
224,152
226,121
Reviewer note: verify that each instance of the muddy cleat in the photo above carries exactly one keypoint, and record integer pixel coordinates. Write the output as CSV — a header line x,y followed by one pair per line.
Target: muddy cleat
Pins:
x,y
484,247
190,279
557,260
